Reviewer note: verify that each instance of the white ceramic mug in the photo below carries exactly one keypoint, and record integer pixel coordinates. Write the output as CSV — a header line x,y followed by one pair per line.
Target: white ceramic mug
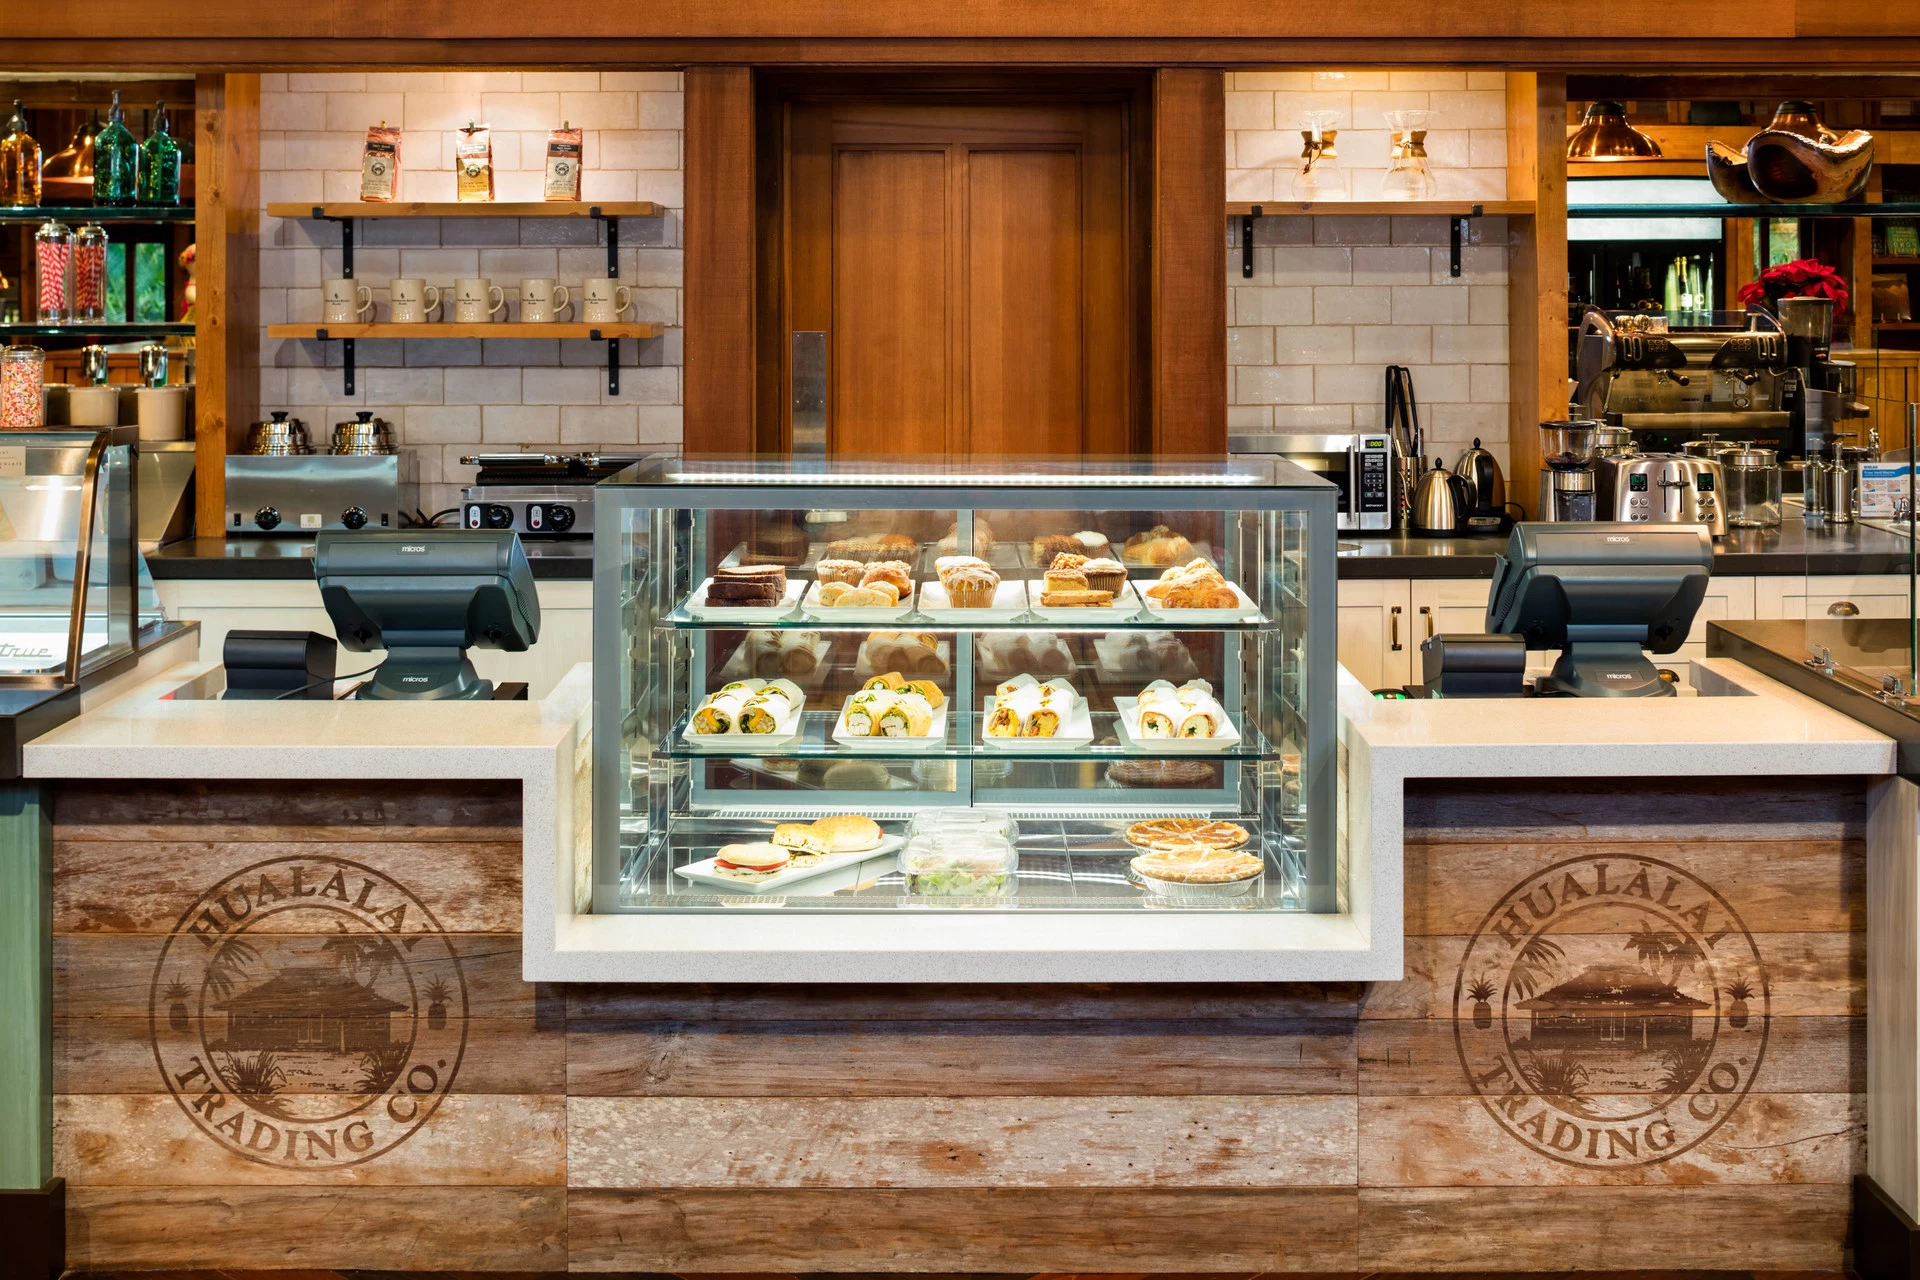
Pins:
x,y
542,301
348,302
479,300
603,301
412,301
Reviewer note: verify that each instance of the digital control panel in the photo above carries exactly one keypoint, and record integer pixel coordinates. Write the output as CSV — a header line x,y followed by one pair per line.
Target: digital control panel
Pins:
x,y
1371,479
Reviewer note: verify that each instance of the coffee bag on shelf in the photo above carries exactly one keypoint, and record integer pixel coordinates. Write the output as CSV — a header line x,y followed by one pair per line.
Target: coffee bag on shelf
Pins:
x,y
564,156
473,163
380,165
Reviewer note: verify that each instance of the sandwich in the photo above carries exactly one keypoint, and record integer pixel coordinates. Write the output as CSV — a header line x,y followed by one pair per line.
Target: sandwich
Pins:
x,y
849,832
751,862
804,843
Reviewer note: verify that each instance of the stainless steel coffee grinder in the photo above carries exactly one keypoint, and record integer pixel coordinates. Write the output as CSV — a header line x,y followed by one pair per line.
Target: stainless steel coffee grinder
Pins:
x,y
1566,483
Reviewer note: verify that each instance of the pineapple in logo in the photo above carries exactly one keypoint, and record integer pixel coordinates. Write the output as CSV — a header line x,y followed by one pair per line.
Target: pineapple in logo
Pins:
x,y
1482,991
437,993
1739,991
176,996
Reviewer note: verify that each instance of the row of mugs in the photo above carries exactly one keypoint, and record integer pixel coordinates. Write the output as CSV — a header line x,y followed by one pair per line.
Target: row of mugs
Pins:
x,y
476,301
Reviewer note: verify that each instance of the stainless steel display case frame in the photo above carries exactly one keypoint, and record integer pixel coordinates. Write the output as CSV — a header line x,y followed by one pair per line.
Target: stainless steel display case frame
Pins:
x,y
649,656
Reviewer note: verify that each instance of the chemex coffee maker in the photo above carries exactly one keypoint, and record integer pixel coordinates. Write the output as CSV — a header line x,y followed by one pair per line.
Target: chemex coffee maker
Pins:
x,y
1771,382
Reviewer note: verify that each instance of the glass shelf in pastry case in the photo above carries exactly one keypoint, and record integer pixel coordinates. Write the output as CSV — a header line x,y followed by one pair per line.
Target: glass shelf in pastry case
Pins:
x,y
1029,685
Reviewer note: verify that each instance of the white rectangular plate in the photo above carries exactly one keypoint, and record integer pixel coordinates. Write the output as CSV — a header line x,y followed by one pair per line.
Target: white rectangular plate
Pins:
x,y
697,606
1009,601
853,613
1077,731
1245,611
1168,746
702,872
785,730
936,738
1125,605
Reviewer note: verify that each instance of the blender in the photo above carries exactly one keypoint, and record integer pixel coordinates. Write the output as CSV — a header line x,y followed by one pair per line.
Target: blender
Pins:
x,y
1566,486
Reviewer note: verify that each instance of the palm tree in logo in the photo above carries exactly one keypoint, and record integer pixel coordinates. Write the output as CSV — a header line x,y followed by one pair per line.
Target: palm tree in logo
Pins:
x,y
1659,949
229,965
358,954
1534,968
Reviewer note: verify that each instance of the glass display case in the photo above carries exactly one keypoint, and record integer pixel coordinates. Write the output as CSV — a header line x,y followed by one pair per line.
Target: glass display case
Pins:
x,y
851,686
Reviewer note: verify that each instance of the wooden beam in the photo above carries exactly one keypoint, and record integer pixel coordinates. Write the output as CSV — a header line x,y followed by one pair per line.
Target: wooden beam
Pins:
x,y
227,272
1189,267
1593,86
718,378
354,51
1536,272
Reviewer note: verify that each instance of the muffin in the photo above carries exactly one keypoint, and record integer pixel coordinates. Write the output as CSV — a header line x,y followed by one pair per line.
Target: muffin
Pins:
x,y
896,573
1092,544
847,571
1105,575
1049,545
971,587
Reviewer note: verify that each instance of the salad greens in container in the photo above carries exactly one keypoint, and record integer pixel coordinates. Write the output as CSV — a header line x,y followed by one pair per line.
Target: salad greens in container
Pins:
x,y
959,862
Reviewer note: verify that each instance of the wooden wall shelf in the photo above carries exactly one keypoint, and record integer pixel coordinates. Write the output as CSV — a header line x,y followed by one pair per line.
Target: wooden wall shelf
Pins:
x,y
503,329
347,334
460,209
1376,208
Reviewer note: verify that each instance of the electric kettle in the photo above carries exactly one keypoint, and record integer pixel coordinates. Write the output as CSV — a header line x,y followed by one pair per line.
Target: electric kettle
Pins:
x,y
1440,503
1486,506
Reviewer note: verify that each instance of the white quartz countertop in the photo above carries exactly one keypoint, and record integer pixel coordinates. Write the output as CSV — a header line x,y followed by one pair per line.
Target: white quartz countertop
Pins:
x,y
148,732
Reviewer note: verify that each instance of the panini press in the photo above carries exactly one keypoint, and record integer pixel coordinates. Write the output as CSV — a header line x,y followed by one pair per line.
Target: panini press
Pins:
x,y
537,495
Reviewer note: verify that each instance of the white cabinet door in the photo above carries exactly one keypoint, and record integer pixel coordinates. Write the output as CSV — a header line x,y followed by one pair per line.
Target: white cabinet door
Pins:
x,y
566,624
1442,605
1376,631
1835,596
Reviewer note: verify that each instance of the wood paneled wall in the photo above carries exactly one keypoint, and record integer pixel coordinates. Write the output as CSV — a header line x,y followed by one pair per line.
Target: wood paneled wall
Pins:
x,y
1326,1128
1189,263
722,232
227,275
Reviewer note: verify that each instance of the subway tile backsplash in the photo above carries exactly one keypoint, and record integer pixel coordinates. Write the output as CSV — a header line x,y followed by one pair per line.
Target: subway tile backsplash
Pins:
x,y
451,397
1333,300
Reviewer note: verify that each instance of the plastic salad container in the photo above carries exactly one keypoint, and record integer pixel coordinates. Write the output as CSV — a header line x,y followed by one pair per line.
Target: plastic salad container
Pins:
x,y
959,863
937,821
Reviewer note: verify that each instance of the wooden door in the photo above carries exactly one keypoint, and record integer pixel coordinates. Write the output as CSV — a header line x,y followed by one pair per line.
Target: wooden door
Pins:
x,y
971,269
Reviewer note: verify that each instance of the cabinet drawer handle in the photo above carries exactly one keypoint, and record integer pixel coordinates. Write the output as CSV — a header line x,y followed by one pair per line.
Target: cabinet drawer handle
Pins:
x,y
1843,609
1427,613
1393,628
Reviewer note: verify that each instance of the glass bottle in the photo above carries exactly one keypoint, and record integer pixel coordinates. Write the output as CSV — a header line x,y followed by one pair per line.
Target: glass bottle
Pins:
x,y
90,272
1409,176
159,182
53,270
23,387
19,162
116,160
1319,178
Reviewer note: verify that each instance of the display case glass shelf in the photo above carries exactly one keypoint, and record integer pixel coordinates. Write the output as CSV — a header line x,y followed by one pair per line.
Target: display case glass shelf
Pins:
x,y
82,213
1189,687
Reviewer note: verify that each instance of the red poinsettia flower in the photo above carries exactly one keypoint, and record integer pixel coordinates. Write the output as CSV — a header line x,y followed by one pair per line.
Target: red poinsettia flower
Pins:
x,y
1806,278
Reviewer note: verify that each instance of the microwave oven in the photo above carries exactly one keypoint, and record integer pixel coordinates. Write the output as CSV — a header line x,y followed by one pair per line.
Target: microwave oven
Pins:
x,y
1360,464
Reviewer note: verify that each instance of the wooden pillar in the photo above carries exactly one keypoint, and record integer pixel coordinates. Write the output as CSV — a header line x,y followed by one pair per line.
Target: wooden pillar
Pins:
x,y
1189,263
227,272
719,273
1536,272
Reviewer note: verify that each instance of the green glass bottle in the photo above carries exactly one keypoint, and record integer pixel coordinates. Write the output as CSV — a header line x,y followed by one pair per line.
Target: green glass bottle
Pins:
x,y
159,163
116,160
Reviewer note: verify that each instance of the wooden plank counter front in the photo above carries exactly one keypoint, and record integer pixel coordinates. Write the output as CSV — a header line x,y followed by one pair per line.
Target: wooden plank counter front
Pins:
x,y
352,1073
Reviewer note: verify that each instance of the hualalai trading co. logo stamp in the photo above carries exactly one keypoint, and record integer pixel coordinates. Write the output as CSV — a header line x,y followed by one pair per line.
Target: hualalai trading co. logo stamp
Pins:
x,y
308,1013
1611,1011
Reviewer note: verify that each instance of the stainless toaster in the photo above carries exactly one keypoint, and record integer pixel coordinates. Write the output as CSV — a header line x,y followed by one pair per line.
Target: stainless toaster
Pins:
x,y
1660,488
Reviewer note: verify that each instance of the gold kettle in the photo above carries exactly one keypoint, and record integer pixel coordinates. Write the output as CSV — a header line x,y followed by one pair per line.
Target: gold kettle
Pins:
x,y
1794,160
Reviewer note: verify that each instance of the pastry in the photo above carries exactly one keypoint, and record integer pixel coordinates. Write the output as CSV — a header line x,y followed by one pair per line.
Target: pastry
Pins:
x,y
847,571
750,861
1158,546
856,775
982,538
1198,866
760,584
895,573
1091,543
971,586
947,564
885,546
1068,560
1105,575
881,595
1066,580
1161,773
1048,545
777,541
1212,833
1076,599
1193,585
